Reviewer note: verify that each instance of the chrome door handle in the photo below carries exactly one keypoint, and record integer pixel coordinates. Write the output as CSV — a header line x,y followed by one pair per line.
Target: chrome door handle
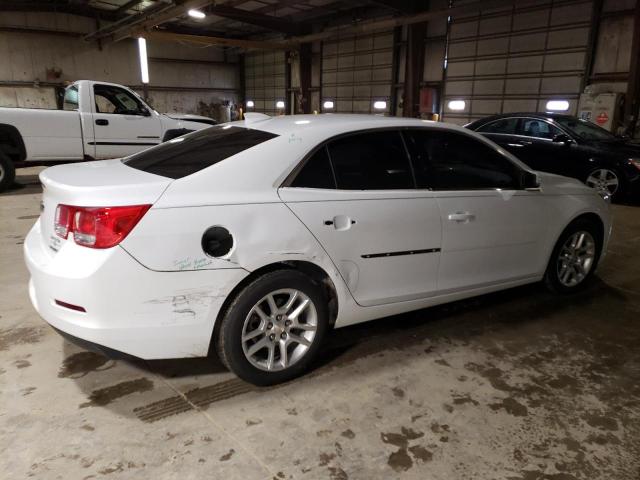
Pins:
x,y
461,217
340,222
525,142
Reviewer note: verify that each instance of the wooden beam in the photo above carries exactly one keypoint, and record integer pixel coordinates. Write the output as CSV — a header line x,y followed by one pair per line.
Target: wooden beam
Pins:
x,y
389,24
209,41
258,19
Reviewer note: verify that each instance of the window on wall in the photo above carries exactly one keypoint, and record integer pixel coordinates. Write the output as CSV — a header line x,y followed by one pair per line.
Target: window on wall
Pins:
x,y
455,161
371,161
538,129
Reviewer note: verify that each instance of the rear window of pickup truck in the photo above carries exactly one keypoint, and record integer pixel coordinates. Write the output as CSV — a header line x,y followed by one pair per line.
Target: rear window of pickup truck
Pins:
x,y
196,151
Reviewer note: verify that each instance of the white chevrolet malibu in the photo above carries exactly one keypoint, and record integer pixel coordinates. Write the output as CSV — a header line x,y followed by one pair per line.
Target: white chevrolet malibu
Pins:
x,y
254,238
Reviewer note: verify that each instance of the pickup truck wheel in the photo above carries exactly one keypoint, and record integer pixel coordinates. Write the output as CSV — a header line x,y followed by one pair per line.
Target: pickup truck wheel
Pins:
x,y
7,172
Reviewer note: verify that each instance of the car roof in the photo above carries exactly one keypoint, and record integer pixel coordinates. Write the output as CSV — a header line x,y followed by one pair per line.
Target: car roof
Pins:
x,y
537,115
331,124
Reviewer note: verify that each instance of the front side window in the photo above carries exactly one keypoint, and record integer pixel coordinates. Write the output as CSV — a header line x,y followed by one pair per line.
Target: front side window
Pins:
x,y
114,100
371,161
586,130
196,151
455,161
70,98
504,126
538,129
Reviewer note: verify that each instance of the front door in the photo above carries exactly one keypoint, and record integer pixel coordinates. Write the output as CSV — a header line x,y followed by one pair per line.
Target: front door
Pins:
x,y
122,124
357,197
491,228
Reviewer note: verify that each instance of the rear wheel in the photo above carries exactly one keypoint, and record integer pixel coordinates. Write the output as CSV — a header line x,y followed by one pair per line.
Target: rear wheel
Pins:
x,y
7,172
274,327
574,258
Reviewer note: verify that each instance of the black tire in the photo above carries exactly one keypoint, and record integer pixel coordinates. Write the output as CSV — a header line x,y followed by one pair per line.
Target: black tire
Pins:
x,y
7,172
552,275
228,339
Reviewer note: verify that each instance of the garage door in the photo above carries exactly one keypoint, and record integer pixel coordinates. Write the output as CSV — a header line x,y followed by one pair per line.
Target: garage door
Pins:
x,y
356,73
265,81
516,58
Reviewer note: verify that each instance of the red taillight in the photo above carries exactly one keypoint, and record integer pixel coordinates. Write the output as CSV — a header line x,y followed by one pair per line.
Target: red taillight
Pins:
x,y
97,227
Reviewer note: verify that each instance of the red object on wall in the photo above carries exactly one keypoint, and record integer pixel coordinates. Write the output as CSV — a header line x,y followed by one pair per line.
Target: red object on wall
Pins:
x,y
602,118
428,100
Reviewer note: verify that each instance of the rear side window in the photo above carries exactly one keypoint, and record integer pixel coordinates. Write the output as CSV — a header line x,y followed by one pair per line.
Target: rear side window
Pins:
x,y
454,161
196,151
371,161
505,126
316,173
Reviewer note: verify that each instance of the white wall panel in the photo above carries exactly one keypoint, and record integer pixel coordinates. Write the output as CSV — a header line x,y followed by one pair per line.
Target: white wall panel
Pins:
x,y
518,57
356,71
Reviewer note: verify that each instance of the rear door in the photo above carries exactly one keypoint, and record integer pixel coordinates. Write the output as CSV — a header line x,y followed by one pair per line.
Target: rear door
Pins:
x,y
122,124
356,195
492,230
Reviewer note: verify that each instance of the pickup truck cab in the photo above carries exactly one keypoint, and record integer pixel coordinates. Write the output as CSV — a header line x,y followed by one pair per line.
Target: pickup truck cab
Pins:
x,y
98,120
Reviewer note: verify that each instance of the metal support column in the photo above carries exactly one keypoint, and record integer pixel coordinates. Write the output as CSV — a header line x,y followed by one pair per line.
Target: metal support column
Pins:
x,y
416,34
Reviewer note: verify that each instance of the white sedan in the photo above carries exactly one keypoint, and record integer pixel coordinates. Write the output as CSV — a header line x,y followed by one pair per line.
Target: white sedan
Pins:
x,y
253,239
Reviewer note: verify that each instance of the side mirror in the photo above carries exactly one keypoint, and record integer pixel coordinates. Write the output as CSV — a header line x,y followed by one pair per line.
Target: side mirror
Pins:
x,y
530,181
563,139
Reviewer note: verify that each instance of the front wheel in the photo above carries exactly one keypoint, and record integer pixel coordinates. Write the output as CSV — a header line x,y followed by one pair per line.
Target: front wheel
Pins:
x,y
606,181
574,258
273,328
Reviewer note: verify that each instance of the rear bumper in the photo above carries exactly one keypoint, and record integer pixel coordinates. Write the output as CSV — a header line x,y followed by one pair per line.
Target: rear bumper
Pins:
x,y
129,308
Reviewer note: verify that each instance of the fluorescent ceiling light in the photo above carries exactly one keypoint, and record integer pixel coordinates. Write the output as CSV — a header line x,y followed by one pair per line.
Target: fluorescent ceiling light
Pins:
x,y
144,66
196,13
279,104
557,105
328,104
250,104
380,105
457,105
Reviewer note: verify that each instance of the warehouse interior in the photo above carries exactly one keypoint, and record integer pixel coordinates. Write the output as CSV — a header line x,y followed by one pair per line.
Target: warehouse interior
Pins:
x,y
518,385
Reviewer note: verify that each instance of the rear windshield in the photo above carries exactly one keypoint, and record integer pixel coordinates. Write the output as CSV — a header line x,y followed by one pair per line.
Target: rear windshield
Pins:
x,y
196,151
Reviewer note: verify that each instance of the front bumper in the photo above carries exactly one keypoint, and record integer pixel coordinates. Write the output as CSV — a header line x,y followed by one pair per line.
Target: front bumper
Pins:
x,y
129,308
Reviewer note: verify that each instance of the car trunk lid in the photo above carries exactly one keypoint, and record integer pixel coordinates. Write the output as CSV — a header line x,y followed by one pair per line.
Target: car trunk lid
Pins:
x,y
106,183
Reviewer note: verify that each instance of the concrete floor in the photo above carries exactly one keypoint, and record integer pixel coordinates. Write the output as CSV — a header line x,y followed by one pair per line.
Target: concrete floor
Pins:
x,y
520,385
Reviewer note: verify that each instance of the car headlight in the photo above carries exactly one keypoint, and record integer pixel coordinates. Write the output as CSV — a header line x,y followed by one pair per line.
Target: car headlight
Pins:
x,y
635,162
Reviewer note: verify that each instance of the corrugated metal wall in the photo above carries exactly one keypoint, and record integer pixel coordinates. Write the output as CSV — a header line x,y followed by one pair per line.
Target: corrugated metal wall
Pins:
x,y
265,80
356,72
517,58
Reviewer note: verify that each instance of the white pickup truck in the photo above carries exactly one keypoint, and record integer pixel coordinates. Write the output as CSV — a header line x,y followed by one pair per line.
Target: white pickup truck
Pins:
x,y
98,120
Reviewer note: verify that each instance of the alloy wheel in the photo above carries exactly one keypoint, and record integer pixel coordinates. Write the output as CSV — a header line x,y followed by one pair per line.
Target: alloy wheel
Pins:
x,y
279,330
604,181
576,258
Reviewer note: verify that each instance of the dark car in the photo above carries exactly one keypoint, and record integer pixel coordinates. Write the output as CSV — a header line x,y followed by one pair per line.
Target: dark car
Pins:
x,y
567,146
